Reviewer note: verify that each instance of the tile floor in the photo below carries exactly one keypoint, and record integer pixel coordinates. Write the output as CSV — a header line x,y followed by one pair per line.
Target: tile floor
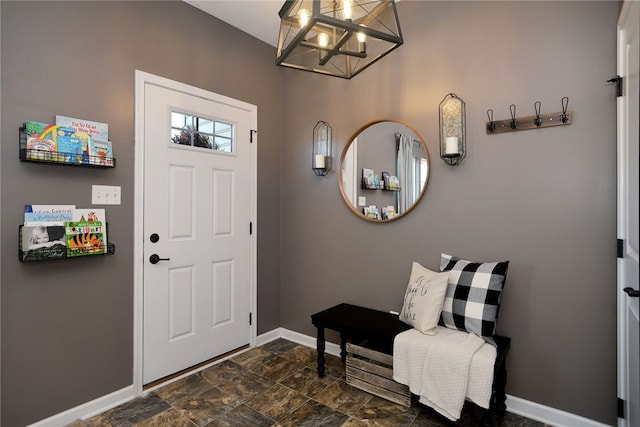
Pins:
x,y
273,385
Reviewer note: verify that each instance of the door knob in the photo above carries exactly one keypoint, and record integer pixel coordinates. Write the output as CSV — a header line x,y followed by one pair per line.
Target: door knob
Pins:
x,y
155,258
632,292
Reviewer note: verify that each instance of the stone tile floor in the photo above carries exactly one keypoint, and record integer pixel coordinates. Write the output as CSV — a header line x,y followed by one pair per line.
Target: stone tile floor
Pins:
x,y
273,385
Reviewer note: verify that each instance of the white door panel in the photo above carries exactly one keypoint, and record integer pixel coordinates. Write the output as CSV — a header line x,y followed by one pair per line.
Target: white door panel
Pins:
x,y
196,301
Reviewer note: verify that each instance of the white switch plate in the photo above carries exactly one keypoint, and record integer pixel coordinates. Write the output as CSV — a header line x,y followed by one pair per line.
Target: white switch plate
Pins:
x,y
362,201
105,194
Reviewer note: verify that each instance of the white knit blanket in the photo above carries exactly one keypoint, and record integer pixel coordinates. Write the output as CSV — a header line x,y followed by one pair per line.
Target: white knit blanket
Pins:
x,y
445,368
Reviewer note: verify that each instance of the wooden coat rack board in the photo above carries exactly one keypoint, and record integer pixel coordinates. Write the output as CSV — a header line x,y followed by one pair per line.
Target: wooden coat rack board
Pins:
x,y
535,121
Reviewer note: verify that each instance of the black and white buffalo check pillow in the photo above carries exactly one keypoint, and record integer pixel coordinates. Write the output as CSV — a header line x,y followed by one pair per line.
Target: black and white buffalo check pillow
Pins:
x,y
473,295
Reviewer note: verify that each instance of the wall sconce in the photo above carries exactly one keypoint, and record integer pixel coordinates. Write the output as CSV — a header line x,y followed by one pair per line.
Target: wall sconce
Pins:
x,y
336,37
453,144
321,150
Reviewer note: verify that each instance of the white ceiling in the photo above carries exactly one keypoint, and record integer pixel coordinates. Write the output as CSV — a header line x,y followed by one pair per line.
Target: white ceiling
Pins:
x,y
256,17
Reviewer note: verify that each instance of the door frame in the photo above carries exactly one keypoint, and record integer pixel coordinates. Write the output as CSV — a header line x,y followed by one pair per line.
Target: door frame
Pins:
x,y
630,9
141,79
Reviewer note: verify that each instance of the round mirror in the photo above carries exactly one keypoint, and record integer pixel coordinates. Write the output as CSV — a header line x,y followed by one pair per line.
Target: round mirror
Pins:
x,y
384,170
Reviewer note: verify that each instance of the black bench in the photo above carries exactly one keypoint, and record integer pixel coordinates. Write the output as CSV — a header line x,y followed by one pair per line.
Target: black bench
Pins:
x,y
377,329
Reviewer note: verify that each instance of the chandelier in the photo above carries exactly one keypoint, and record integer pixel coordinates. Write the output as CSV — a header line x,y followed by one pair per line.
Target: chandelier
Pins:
x,y
336,37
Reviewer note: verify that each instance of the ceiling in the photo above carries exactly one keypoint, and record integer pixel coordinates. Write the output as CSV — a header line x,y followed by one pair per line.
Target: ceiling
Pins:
x,y
256,17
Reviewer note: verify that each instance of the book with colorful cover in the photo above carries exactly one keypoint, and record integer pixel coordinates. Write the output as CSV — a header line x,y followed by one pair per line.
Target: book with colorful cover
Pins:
x,y
95,130
69,145
100,152
37,145
84,238
92,215
389,212
48,215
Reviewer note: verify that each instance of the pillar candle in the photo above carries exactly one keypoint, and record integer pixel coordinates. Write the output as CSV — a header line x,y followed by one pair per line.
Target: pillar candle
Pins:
x,y
451,145
320,161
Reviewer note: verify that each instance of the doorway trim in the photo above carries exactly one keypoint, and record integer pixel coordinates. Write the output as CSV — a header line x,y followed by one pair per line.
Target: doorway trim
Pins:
x,y
141,79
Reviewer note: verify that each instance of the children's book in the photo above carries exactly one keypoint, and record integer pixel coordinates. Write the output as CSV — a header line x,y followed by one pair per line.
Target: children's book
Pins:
x,y
47,215
92,215
69,145
38,146
100,152
394,183
39,242
389,212
370,180
96,130
89,215
371,212
84,238
49,208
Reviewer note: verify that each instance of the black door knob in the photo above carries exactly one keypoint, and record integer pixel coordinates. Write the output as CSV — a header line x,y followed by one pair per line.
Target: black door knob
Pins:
x,y
155,258
154,238
632,292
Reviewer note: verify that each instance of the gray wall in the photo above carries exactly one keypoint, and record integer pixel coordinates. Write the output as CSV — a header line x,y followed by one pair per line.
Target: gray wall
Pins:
x,y
543,199
67,326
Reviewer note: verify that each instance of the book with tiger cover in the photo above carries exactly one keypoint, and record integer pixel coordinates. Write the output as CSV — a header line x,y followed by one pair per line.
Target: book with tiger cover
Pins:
x,y
92,215
85,238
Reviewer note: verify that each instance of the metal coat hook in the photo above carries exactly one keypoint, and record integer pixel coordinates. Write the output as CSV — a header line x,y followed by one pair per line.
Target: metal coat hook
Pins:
x,y
538,120
512,108
490,126
565,103
537,106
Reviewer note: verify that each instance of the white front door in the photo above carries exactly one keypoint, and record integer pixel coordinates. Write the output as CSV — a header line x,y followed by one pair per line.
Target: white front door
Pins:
x,y
197,205
628,158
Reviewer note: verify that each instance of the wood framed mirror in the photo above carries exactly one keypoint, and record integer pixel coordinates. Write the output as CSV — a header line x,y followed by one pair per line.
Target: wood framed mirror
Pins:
x,y
384,170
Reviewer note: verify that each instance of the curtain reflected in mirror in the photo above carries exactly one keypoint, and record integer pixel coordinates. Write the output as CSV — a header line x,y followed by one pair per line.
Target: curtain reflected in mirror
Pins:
x,y
384,170
412,170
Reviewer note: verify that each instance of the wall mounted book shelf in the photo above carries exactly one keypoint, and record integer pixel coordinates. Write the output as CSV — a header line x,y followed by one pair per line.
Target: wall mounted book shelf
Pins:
x,y
59,251
31,153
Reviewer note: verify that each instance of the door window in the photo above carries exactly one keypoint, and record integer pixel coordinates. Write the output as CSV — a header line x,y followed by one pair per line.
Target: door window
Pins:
x,y
201,132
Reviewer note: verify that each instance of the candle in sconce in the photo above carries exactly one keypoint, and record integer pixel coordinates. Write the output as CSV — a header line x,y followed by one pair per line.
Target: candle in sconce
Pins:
x,y
320,161
451,145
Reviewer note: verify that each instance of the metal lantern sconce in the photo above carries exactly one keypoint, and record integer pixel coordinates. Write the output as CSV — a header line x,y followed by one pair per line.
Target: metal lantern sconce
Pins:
x,y
336,37
453,140
321,150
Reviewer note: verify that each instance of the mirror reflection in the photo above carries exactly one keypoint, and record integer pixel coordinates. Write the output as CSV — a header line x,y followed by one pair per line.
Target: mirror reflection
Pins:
x,y
384,170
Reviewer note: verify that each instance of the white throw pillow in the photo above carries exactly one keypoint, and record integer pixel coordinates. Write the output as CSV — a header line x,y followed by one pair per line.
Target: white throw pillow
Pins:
x,y
424,298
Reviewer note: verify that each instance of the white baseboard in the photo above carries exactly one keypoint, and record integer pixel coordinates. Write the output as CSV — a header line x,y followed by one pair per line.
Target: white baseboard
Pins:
x,y
302,339
269,336
89,409
516,405
548,415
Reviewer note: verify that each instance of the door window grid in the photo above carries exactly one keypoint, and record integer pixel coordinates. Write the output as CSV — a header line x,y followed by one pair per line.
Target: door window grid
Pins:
x,y
195,131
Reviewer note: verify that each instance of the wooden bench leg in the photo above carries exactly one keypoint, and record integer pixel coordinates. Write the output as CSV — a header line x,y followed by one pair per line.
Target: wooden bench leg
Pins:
x,y
343,347
320,346
486,418
498,397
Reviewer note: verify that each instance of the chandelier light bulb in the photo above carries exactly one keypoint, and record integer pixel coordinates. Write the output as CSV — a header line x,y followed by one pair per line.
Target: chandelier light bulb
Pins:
x,y
323,39
303,17
347,9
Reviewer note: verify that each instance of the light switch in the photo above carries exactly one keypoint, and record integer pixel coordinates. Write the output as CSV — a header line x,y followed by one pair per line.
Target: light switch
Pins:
x,y
105,194
362,201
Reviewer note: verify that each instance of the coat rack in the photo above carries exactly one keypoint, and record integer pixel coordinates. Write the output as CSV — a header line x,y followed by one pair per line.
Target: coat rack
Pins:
x,y
535,121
